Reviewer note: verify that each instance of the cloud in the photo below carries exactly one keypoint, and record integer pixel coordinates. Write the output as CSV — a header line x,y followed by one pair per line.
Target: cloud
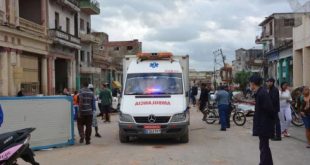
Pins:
x,y
194,27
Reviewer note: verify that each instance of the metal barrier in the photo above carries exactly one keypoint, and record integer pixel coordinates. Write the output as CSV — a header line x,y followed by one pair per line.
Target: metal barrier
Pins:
x,y
52,117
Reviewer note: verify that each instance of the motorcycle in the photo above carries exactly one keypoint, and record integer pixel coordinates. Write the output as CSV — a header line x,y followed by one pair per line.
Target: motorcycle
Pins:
x,y
14,145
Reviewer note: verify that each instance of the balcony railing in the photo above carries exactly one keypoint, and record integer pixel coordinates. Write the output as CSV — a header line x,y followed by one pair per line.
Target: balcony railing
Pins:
x,y
57,34
70,4
90,6
75,2
31,27
89,38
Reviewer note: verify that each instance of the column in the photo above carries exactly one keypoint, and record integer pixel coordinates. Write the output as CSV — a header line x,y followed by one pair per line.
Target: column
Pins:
x,y
280,71
69,67
44,76
287,70
18,72
297,68
11,66
51,75
306,66
74,75
4,72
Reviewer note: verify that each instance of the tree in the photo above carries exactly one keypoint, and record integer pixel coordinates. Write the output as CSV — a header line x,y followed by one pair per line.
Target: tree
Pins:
x,y
242,78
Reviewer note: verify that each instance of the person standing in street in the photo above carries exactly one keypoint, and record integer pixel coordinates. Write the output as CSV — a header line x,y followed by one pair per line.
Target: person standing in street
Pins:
x,y
106,101
94,122
229,90
274,94
285,114
263,121
66,92
194,92
303,105
76,104
85,113
203,99
222,98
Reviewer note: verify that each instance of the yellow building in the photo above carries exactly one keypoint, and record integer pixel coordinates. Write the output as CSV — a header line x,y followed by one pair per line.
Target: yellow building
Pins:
x,y
23,47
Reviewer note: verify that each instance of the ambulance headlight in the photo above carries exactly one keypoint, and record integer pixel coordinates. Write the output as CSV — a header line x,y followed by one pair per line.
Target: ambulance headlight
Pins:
x,y
179,117
125,118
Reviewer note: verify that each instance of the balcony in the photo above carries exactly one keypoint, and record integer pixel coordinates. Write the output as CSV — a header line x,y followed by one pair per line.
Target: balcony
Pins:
x,y
90,70
90,7
89,38
64,38
31,27
70,4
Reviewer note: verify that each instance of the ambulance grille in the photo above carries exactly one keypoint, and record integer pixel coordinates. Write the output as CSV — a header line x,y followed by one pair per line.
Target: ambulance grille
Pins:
x,y
159,119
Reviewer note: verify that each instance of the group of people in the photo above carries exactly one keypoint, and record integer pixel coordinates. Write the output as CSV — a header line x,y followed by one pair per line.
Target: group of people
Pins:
x,y
223,98
272,116
85,110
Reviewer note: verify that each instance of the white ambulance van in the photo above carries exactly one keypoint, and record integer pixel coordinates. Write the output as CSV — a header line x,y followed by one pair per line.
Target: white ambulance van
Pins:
x,y
155,97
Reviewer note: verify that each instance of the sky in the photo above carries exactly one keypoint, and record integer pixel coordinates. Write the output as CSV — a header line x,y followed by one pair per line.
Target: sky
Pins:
x,y
193,27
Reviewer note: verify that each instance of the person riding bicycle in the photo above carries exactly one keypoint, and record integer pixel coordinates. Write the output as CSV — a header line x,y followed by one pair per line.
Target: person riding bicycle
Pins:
x,y
203,99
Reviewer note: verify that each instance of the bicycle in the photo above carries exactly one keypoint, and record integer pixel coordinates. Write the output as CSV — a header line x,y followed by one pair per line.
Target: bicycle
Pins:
x,y
296,118
211,115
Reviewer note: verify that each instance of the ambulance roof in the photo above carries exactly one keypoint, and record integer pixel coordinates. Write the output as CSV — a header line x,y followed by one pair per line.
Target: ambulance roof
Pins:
x,y
154,66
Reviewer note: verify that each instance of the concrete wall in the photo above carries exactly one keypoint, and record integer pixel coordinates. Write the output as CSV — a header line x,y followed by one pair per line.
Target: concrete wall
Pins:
x,y
301,57
63,14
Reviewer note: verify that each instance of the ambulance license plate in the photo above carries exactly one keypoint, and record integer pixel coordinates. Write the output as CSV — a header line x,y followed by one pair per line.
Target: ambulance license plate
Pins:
x,y
152,129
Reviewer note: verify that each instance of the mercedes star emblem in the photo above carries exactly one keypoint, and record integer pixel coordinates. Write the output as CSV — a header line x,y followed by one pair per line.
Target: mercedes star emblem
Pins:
x,y
152,119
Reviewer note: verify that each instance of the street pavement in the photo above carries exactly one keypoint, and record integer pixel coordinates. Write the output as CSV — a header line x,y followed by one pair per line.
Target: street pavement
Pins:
x,y
207,146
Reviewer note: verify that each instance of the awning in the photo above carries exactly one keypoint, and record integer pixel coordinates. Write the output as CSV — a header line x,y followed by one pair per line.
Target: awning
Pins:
x,y
116,84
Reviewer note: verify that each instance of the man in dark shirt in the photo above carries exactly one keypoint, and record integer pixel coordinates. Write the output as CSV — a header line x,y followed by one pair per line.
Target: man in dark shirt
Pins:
x,y
203,99
263,121
194,92
274,94
85,113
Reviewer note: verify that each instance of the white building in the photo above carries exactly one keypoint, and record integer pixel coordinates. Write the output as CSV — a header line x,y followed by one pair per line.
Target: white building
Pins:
x,y
63,31
301,52
87,70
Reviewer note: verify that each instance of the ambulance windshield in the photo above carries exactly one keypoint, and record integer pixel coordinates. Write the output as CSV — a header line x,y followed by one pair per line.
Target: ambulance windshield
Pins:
x,y
154,84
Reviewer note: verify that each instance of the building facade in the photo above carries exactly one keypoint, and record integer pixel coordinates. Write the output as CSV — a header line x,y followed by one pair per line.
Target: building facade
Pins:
x,y
199,77
276,38
301,50
117,50
87,72
248,60
64,50
101,59
23,47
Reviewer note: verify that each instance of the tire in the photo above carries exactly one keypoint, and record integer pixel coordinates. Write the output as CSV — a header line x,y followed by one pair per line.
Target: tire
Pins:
x,y
210,117
297,120
185,137
123,138
239,118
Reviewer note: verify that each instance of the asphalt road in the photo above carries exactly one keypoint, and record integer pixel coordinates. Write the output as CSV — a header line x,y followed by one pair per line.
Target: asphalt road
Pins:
x,y
207,146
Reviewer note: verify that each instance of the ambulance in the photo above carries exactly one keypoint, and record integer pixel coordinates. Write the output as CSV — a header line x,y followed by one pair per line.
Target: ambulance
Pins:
x,y
155,98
